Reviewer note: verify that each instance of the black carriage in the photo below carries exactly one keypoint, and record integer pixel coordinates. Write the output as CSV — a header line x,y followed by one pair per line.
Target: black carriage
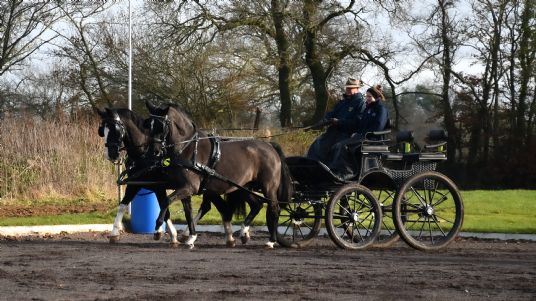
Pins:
x,y
397,193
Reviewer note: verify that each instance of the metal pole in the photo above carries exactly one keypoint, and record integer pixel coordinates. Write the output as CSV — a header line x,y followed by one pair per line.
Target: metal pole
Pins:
x,y
129,57
119,191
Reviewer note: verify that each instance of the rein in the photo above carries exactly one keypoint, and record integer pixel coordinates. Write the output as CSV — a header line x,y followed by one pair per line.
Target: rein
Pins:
x,y
292,129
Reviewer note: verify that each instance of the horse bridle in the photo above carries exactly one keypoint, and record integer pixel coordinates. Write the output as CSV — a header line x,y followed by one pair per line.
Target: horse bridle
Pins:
x,y
166,124
118,126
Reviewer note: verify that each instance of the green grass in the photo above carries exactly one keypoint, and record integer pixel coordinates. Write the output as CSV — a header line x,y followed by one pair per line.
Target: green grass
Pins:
x,y
501,211
63,219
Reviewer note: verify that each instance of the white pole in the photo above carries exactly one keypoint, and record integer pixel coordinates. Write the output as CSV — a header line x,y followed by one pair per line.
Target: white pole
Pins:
x,y
129,77
129,57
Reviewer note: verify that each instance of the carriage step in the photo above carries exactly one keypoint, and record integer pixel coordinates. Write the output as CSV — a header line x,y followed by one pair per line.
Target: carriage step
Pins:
x,y
374,149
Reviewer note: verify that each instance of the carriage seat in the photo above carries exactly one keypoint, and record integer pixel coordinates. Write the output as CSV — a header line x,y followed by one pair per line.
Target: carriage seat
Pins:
x,y
377,142
403,148
436,145
309,171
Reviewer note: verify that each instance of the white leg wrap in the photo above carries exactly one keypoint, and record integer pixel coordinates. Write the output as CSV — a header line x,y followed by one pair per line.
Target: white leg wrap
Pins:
x,y
244,231
172,231
191,240
270,245
228,231
118,222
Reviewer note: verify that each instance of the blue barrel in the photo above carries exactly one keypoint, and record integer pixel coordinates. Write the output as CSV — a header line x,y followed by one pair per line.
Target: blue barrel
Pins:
x,y
144,211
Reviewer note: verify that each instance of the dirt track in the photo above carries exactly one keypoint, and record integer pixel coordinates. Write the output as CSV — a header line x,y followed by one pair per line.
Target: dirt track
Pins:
x,y
85,267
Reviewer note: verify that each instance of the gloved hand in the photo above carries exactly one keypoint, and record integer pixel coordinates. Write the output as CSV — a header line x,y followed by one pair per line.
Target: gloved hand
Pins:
x,y
319,125
334,121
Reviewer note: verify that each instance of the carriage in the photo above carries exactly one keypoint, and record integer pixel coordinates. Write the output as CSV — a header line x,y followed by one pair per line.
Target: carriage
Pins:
x,y
397,193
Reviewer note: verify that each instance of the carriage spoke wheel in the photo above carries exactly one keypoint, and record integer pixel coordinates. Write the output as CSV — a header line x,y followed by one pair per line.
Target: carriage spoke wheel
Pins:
x,y
353,217
299,223
428,211
388,234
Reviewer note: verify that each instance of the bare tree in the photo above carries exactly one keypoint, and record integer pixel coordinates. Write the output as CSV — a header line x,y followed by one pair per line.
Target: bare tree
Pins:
x,y
86,50
23,28
441,36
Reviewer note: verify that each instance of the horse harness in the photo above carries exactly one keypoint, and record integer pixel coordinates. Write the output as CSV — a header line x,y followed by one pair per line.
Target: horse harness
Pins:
x,y
119,127
206,171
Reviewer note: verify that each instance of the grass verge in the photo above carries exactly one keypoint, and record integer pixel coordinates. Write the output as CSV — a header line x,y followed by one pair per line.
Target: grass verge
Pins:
x,y
499,211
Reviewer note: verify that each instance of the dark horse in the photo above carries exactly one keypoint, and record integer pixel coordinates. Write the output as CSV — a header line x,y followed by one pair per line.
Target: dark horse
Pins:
x,y
123,129
196,163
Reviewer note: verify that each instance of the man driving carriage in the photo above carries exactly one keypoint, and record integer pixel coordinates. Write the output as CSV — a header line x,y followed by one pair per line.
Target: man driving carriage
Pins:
x,y
341,121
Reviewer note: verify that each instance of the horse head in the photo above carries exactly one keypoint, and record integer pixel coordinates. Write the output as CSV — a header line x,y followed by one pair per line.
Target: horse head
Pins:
x,y
168,127
121,129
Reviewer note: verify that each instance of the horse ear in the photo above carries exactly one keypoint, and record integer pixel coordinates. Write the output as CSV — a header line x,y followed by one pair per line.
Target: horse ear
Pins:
x,y
150,106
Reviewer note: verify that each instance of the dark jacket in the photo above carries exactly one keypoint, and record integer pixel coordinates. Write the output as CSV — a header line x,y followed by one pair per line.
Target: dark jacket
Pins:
x,y
374,118
348,111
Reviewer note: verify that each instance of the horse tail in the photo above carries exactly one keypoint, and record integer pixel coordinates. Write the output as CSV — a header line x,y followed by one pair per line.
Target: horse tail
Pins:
x,y
286,189
237,202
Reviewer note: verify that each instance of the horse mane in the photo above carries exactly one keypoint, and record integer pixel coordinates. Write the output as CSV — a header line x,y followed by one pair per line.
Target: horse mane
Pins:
x,y
183,112
131,115
179,108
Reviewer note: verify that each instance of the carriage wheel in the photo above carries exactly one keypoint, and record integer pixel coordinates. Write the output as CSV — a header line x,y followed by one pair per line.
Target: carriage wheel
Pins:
x,y
384,189
299,223
388,234
353,217
428,211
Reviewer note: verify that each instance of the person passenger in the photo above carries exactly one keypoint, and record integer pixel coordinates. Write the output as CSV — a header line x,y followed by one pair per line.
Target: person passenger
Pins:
x,y
345,160
342,121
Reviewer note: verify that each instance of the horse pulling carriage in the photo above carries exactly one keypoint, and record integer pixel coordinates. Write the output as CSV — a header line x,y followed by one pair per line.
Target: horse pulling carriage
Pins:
x,y
397,192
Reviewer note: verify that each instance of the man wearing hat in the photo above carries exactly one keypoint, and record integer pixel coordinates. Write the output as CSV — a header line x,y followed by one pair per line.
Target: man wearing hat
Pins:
x,y
342,121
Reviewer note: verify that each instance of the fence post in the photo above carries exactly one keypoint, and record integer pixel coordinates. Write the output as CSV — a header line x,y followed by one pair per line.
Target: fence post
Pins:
x,y
257,119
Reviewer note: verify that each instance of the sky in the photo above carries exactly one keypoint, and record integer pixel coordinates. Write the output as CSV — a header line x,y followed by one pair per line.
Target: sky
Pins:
x,y
370,75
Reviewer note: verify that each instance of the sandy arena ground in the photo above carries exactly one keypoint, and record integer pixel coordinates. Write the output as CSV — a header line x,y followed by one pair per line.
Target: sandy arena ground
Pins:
x,y
86,267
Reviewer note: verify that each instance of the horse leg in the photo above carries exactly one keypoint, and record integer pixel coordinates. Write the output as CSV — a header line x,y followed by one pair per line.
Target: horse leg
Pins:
x,y
203,209
255,207
130,192
272,217
163,202
184,193
226,212
187,204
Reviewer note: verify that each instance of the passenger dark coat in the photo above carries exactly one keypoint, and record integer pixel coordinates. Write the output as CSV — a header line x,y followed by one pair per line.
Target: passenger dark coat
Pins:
x,y
348,112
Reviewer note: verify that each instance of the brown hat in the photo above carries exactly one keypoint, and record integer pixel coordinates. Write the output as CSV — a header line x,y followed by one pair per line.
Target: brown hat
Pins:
x,y
352,83
376,92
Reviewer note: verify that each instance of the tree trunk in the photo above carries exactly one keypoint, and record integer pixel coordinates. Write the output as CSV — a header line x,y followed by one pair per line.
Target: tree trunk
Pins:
x,y
283,68
526,61
450,124
313,61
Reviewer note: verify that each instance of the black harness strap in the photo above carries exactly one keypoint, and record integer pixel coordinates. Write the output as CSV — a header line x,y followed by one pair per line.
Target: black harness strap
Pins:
x,y
215,155
128,181
206,171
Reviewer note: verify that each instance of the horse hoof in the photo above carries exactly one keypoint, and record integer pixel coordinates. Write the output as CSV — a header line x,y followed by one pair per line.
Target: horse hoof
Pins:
x,y
244,239
113,239
269,245
231,244
174,244
157,235
190,247
295,246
